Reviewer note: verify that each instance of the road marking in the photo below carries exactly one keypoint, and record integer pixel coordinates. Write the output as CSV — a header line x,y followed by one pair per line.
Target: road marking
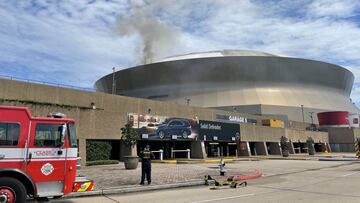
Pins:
x,y
349,174
224,198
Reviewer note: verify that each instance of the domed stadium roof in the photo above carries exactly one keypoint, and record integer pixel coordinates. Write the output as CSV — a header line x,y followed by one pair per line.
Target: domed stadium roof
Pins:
x,y
217,53
242,79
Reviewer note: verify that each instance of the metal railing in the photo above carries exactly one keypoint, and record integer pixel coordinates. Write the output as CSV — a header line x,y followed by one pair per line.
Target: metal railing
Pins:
x,y
46,83
161,154
173,151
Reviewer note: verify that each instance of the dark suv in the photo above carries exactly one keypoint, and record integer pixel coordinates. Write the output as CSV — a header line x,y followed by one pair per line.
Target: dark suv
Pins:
x,y
179,127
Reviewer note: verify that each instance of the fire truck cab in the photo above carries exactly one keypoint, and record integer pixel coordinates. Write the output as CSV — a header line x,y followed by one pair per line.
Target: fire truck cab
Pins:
x,y
37,156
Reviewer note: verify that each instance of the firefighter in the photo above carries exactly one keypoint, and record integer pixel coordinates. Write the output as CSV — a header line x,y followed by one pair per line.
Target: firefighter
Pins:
x,y
146,155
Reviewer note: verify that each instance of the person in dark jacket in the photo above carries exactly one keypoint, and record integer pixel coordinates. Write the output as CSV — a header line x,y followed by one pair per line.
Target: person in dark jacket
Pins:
x,y
146,155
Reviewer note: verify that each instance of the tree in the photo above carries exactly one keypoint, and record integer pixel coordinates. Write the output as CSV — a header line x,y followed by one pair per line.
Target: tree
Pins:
x,y
129,135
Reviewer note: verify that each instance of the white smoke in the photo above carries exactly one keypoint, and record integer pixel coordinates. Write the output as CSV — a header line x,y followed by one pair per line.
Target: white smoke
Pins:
x,y
158,37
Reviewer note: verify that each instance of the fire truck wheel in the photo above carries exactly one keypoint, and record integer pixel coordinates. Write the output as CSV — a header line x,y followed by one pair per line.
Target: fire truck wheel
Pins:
x,y
12,190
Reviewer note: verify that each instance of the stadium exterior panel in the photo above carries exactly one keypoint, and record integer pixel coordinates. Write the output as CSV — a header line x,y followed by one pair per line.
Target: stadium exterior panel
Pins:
x,y
244,81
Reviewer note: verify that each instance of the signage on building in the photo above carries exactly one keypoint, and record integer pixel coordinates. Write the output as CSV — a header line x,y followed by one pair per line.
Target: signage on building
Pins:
x,y
212,130
152,127
235,119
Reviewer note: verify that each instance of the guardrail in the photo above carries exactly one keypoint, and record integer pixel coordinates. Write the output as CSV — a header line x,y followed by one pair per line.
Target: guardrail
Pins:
x,y
46,83
300,149
173,151
161,153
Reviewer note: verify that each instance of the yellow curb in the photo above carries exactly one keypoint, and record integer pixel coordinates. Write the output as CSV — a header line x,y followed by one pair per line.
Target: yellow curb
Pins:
x,y
165,161
282,158
175,161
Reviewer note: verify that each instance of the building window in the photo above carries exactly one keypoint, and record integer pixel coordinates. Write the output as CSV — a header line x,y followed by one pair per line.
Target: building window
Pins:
x,y
48,135
9,134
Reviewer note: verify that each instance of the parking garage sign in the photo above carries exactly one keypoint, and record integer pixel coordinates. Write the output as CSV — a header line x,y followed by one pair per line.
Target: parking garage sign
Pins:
x,y
211,130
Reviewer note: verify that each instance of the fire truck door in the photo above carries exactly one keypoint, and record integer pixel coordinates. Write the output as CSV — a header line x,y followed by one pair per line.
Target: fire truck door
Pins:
x,y
46,158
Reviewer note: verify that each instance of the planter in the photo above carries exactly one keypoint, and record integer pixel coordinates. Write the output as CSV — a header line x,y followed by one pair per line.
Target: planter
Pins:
x,y
131,162
285,153
311,151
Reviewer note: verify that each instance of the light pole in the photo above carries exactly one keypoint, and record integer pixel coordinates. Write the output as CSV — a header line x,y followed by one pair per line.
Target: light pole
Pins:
x,y
311,116
312,120
302,112
113,82
188,101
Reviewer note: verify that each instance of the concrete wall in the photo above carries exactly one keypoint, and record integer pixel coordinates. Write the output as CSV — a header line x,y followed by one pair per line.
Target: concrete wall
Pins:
x,y
252,133
342,135
301,136
104,122
293,113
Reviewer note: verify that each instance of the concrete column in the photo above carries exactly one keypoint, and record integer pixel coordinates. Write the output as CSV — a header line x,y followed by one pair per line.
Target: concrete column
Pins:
x,y
82,151
275,148
248,148
198,150
291,148
260,148
227,151
218,151
328,147
206,149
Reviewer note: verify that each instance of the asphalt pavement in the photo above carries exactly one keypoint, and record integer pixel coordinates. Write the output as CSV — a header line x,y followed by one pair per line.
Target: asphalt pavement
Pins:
x,y
283,181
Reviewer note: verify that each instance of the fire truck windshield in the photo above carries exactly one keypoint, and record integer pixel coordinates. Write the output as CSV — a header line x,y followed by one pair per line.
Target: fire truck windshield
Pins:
x,y
72,135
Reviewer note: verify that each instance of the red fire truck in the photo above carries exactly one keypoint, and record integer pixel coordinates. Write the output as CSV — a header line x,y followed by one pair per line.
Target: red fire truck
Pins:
x,y
37,156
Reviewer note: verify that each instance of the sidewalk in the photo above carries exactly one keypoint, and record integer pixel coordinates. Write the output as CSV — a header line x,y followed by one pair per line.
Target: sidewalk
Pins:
x,y
115,176
115,179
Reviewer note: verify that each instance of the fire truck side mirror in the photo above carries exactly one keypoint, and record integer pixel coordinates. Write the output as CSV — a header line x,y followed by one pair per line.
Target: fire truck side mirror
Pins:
x,y
63,134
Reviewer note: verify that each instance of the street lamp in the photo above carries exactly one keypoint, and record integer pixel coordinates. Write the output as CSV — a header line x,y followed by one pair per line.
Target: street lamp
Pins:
x,y
312,120
188,101
311,116
113,82
302,112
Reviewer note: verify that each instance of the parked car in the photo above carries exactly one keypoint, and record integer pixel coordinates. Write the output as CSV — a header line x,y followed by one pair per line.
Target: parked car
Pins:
x,y
179,127
149,128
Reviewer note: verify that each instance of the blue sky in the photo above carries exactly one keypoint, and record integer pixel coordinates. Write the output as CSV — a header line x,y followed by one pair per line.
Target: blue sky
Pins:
x,y
75,42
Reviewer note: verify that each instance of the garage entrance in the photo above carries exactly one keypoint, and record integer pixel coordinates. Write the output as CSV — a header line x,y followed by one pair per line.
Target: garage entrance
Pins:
x,y
166,146
258,148
273,148
300,147
220,149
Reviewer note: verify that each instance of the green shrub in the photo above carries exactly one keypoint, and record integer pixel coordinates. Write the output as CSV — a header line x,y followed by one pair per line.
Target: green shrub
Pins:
x,y
101,162
98,150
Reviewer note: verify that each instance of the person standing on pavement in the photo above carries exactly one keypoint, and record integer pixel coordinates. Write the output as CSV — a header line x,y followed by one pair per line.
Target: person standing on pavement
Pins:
x,y
146,155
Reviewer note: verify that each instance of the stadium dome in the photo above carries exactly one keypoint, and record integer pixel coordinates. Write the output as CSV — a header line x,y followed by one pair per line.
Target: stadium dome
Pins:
x,y
248,81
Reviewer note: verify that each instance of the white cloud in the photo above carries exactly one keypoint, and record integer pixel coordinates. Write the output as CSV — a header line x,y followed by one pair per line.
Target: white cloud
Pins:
x,y
329,8
77,38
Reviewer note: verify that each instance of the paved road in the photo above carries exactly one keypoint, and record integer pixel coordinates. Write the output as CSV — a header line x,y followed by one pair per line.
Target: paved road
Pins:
x,y
283,181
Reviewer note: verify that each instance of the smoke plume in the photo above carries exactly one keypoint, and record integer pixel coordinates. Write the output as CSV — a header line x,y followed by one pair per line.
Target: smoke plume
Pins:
x,y
157,36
